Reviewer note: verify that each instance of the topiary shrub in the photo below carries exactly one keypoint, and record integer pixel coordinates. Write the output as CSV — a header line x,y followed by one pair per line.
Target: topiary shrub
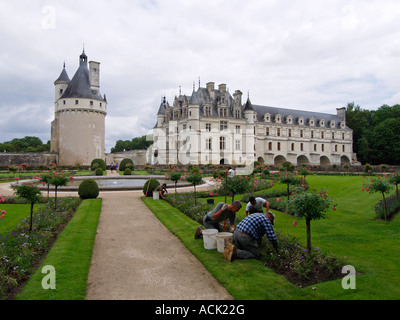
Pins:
x,y
99,171
127,172
149,187
126,163
88,189
96,163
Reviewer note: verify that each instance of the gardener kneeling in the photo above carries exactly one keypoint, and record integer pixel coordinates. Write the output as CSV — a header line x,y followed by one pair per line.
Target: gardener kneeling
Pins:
x,y
248,234
221,212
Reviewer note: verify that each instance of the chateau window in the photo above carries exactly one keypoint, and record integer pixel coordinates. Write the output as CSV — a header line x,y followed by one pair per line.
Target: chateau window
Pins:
x,y
292,147
322,134
278,132
237,129
301,133
76,101
61,91
222,143
208,111
312,134
343,136
64,102
208,127
208,144
270,146
289,132
279,146
312,122
91,103
335,147
223,125
301,147
344,148
223,112
237,114
315,147
267,131
333,135
237,144
301,121
322,147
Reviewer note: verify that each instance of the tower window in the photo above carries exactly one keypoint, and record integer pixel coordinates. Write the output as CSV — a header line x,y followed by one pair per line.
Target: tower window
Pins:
x,y
91,103
76,101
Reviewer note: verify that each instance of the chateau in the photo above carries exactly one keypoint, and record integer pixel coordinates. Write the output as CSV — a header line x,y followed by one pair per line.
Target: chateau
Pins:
x,y
213,127
78,128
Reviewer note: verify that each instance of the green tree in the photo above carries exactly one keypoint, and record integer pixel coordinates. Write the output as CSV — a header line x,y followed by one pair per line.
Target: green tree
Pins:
x,y
59,179
31,193
310,206
379,184
236,185
290,179
395,179
386,142
195,178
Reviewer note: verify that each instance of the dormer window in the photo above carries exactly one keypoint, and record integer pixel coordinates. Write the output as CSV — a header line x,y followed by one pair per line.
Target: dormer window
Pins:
x,y
322,123
332,124
267,117
301,121
342,124
289,119
312,122
278,118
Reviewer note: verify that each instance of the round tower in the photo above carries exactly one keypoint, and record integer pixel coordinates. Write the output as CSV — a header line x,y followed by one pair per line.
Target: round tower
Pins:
x,y
78,129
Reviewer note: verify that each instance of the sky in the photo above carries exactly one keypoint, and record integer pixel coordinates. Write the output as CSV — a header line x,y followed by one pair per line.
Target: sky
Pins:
x,y
306,54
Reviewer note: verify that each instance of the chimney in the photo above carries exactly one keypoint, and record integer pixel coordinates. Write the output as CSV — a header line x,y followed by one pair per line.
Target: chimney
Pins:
x,y
94,75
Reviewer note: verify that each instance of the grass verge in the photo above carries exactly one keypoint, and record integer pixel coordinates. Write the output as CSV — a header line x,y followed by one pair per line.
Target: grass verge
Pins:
x,y
70,256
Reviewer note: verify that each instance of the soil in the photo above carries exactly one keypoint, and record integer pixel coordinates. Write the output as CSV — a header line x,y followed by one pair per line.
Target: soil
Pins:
x,y
317,275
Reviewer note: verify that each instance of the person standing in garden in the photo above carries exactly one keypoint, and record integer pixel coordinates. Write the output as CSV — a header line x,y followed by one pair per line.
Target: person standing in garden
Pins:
x,y
231,172
221,212
248,235
256,205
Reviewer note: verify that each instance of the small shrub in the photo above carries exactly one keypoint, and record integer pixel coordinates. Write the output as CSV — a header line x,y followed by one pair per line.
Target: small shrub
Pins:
x,y
126,163
127,172
149,187
88,189
99,171
98,163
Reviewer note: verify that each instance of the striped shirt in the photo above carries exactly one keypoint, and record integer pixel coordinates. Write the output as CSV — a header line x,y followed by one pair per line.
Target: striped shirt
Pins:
x,y
256,225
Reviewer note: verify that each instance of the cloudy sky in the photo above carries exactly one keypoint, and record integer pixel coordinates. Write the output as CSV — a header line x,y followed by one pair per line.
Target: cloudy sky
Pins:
x,y
305,54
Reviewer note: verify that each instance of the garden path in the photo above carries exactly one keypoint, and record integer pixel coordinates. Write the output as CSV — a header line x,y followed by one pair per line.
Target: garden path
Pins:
x,y
135,257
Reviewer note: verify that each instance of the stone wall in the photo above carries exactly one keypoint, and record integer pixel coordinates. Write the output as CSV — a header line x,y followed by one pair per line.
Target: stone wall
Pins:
x,y
139,157
31,159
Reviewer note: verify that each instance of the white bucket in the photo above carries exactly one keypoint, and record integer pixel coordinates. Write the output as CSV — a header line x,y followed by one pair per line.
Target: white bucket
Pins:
x,y
223,238
156,195
210,238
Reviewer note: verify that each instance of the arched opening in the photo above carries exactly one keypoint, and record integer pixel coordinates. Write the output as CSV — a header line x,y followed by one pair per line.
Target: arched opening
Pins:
x,y
261,160
324,161
344,160
302,160
279,160
223,161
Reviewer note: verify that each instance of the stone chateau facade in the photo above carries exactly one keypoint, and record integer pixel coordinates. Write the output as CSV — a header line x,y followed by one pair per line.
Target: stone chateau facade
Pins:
x,y
211,126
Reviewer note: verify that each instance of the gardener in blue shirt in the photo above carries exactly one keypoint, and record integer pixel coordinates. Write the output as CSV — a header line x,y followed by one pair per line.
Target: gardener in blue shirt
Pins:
x,y
248,234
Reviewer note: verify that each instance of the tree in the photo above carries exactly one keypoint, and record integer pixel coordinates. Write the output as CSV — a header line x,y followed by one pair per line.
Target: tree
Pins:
x,y
289,179
59,179
379,184
386,142
44,178
310,206
194,177
395,179
236,185
31,193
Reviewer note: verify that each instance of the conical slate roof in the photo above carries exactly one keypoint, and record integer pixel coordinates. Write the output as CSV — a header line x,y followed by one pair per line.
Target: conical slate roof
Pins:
x,y
248,105
63,76
80,87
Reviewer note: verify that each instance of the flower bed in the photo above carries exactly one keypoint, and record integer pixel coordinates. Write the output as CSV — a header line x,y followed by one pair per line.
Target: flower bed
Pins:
x,y
297,265
21,250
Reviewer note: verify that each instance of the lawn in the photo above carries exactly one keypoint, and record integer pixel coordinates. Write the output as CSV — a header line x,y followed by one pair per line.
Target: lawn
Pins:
x,y
352,231
70,256
15,213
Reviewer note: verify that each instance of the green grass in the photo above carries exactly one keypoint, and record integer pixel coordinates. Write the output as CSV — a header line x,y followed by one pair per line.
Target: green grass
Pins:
x,y
351,231
70,256
15,213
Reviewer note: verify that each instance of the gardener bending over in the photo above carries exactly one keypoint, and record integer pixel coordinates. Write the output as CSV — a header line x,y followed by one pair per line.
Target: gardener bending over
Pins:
x,y
162,189
256,205
221,212
248,235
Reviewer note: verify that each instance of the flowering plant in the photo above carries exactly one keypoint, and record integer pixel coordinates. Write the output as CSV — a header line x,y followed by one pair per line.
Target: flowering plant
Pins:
x,y
379,184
